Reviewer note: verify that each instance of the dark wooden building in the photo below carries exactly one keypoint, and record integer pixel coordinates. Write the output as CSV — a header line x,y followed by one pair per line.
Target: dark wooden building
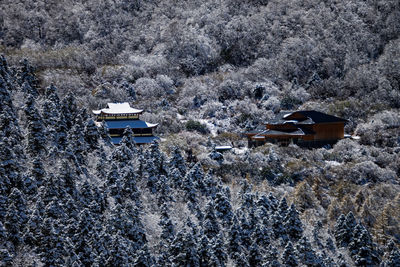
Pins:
x,y
117,116
307,128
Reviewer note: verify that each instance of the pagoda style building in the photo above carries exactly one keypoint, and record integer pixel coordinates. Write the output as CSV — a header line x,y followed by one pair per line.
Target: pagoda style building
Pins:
x,y
117,116
306,128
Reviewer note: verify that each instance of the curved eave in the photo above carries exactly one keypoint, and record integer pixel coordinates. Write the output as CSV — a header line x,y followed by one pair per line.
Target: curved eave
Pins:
x,y
99,112
133,124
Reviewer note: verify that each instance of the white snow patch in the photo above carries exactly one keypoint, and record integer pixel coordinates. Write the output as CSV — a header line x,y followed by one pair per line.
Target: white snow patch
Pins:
x,y
333,163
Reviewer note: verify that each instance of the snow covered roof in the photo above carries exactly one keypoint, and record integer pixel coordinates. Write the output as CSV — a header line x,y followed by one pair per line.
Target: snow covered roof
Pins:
x,y
223,147
276,132
134,124
118,108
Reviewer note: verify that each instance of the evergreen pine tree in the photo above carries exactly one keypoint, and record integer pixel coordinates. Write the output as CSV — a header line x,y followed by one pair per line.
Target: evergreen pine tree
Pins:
x,y
394,258
255,256
120,252
177,162
246,230
289,255
114,183
218,248
196,174
143,258
32,234
292,224
51,95
128,139
210,224
362,248
306,254
168,230
205,252
264,206
51,250
277,225
164,191
69,110
183,250
129,185
122,155
223,208
67,178
283,207
26,75
16,217
5,257
77,145
271,257
36,129
81,234
344,228
240,259
235,238
37,171
261,235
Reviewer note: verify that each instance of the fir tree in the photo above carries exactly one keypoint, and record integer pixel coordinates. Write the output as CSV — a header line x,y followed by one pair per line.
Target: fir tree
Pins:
x,y
235,238
37,171
210,224
246,230
61,134
394,258
196,174
292,224
177,162
240,259
69,110
289,255
168,230
362,248
30,186
122,155
51,96
183,250
271,257
223,208
205,253
218,248
16,217
120,252
255,256
264,205
261,235
143,258
283,207
129,185
277,225
77,144
67,178
128,139
344,228
51,250
306,254
164,191
5,257
32,233
26,75
114,183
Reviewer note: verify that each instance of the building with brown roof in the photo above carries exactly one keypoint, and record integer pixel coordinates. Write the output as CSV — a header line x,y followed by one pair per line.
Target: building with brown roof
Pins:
x,y
307,128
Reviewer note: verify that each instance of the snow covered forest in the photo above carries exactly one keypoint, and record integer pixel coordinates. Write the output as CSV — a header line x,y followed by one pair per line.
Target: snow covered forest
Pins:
x,y
206,71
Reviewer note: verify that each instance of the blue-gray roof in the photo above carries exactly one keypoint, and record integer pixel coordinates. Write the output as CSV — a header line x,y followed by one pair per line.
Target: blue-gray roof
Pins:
x,y
137,139
122,124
